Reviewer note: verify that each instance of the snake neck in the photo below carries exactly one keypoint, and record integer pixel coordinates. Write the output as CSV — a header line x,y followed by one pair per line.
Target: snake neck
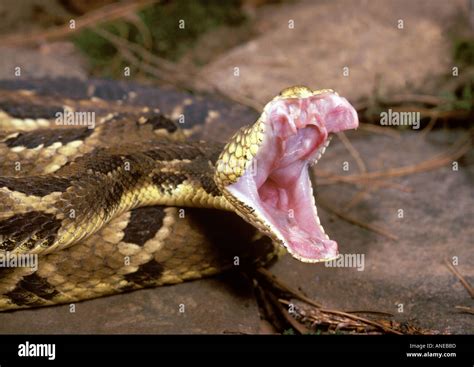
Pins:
x,y
82,197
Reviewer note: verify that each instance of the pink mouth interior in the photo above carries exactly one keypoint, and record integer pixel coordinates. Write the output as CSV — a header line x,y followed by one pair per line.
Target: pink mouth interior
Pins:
x,y
279,189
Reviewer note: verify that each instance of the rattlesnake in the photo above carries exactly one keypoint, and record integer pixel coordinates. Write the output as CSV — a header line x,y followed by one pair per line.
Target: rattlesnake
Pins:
x,y
152,188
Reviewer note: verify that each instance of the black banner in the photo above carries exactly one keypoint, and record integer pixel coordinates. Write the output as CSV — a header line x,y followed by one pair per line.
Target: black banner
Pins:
x,y
34,350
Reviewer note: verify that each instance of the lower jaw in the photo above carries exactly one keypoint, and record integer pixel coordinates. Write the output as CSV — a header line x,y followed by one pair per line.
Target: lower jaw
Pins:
x,y
298,231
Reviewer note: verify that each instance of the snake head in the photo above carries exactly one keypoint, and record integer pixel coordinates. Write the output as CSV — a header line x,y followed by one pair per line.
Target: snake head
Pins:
x,y
263,170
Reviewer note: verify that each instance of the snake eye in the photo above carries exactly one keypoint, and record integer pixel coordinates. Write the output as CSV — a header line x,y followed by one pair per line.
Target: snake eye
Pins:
x,y
277,196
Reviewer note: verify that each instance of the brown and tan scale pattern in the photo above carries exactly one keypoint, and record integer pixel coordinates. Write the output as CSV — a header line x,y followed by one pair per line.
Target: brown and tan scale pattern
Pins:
x,y
121,206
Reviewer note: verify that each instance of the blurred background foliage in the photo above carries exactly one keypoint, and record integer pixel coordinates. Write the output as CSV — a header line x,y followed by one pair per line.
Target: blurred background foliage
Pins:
x,y
155,29
169,42
227,24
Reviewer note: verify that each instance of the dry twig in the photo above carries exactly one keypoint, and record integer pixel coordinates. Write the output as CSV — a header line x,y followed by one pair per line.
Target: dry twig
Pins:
x,y
413,98
297,294
465,309
463,280
316,315
357,222
104,14
379,130
459,149
353,151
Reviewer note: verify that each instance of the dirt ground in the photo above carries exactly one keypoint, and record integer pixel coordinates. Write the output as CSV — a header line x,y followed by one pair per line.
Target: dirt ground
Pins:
x,y
437,225
406,276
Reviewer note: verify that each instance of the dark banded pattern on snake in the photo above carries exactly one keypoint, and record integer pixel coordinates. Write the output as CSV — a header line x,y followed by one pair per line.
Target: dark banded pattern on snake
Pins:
x,y
140,201
131,251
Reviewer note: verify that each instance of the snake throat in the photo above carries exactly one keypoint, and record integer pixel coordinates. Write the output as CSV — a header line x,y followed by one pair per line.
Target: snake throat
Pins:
x,y
277,187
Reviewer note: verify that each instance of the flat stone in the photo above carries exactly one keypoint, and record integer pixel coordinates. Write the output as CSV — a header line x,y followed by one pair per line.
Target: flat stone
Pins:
x,y
220,305
328,36
59,59
410,271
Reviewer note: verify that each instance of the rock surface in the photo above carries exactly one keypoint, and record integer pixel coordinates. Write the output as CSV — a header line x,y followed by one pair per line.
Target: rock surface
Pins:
x,y
311,42
410,271
437,214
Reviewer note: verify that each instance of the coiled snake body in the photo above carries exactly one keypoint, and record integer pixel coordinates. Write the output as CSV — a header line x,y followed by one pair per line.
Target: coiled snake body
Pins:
x,y
146,186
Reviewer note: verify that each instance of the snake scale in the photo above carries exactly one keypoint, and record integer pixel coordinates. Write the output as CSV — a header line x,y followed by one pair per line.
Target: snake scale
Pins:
x,y
114,186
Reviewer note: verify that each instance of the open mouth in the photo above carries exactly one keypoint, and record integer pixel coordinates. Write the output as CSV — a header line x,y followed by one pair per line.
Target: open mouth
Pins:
x,y
278,189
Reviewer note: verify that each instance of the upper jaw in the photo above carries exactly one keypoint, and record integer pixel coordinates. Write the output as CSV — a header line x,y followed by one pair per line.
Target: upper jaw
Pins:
x,y
325,109
279,191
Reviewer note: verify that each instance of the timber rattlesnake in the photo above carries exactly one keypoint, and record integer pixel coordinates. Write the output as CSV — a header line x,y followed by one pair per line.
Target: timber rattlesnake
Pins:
x,y
114,186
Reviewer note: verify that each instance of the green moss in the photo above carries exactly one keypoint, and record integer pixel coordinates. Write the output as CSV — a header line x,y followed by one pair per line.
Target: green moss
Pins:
x,y
464,51
197,17
170,30
461,101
